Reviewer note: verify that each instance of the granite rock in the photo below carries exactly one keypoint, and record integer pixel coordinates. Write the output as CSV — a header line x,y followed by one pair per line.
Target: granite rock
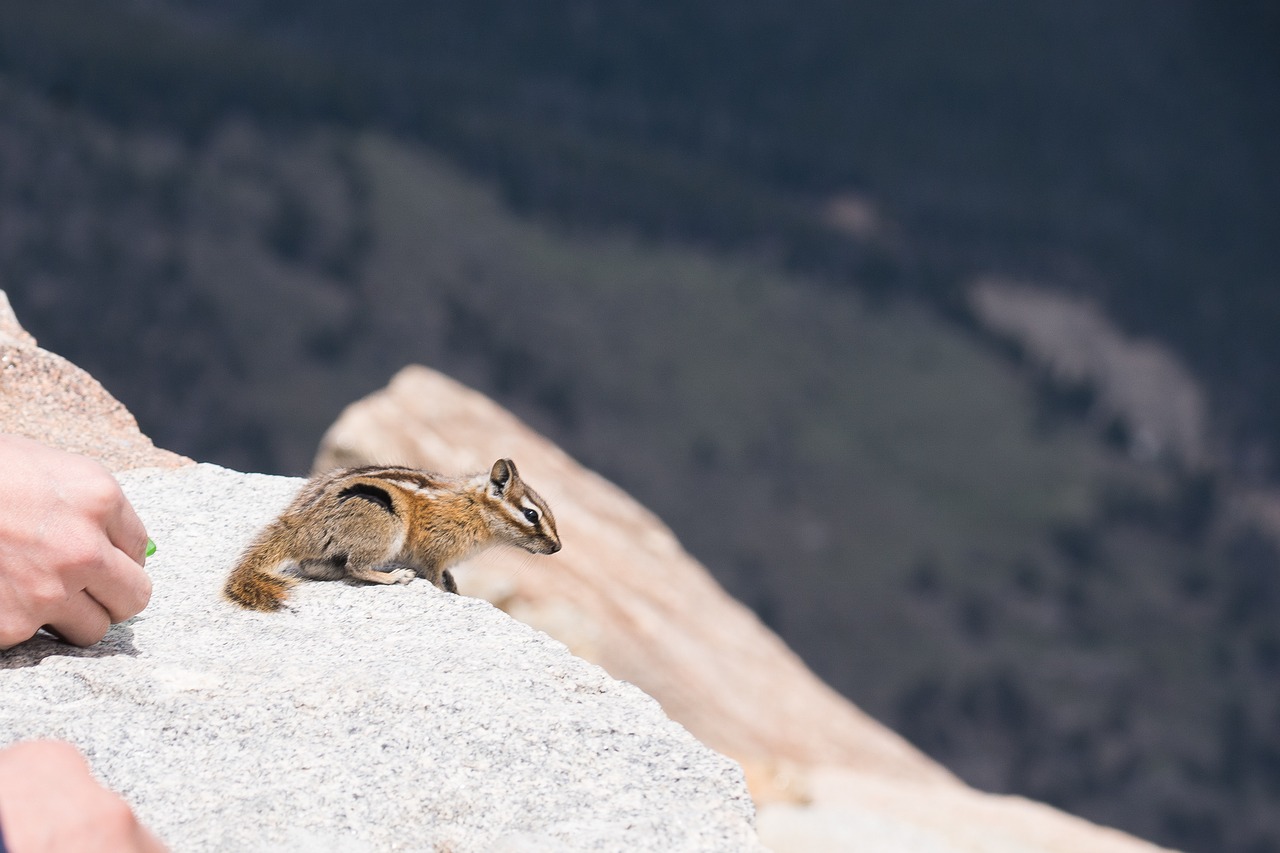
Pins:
x,y
360,718
47,398
846,809
624,593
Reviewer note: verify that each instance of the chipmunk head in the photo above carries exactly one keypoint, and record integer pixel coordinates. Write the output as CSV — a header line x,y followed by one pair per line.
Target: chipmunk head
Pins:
x,y
522,517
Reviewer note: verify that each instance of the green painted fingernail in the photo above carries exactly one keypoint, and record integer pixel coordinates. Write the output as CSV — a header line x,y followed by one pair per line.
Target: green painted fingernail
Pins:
x,y
151,547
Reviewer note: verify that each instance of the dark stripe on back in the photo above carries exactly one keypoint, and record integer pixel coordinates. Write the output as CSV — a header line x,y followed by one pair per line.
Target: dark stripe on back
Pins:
x,y
370,493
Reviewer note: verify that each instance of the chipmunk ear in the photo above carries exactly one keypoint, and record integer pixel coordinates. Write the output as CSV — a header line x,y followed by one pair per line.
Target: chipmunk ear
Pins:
x,y
501,475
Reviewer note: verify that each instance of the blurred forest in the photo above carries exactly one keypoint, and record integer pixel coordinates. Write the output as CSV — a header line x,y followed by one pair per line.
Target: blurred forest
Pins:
x,y
727,255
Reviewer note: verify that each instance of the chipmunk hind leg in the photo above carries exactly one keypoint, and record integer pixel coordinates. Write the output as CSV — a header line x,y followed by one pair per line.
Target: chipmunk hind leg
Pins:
x,y
366,562
386,573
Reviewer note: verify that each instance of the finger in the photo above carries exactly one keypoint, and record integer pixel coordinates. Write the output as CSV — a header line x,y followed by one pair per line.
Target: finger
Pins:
x,y
121,587
126,531
81,621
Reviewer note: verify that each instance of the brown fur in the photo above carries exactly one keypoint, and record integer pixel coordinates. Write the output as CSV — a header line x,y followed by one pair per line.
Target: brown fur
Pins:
x,y
386,525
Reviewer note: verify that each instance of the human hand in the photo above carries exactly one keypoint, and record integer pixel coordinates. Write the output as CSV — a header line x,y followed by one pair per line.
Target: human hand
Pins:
x,y
49,803
71,546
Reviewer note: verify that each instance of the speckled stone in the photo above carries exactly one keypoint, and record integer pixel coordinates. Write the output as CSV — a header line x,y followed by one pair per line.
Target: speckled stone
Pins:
x,y
361,718
47,398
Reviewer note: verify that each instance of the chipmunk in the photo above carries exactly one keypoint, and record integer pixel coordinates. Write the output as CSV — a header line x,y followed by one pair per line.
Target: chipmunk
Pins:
x,y
388,524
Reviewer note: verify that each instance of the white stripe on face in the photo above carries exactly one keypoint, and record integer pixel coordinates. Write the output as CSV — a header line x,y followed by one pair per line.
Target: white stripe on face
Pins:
x,y
516,511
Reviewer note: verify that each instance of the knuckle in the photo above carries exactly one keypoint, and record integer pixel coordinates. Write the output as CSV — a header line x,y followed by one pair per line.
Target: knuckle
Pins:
x,y
126,607
100,492
14,631
144,591
82,551
85,632
46,594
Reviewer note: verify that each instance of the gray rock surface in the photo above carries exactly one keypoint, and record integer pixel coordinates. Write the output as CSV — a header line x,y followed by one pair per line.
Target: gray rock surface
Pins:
x,y
364,718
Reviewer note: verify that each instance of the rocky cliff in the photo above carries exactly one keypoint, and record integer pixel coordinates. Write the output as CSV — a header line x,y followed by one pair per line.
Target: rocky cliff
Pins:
x,y
49,399
624,594
416,721
403,718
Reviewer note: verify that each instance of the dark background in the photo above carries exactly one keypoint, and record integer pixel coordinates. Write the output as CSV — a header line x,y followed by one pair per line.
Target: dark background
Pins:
x,y
617,220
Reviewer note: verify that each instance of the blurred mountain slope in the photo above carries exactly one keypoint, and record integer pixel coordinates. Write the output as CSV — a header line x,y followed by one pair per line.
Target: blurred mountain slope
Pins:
x,y
1125,151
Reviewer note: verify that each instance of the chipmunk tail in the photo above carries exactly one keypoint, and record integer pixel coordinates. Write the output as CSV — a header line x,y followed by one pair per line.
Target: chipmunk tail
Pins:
x,y
255,585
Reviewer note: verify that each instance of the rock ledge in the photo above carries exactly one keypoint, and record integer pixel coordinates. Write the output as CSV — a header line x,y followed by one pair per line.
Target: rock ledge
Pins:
x,y
388,718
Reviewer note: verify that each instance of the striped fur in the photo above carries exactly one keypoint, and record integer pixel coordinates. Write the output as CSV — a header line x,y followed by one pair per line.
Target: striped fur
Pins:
x,y
387,525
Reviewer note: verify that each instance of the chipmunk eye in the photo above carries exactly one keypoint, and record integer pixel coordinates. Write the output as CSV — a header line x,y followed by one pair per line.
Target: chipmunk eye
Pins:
x,y
531,515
